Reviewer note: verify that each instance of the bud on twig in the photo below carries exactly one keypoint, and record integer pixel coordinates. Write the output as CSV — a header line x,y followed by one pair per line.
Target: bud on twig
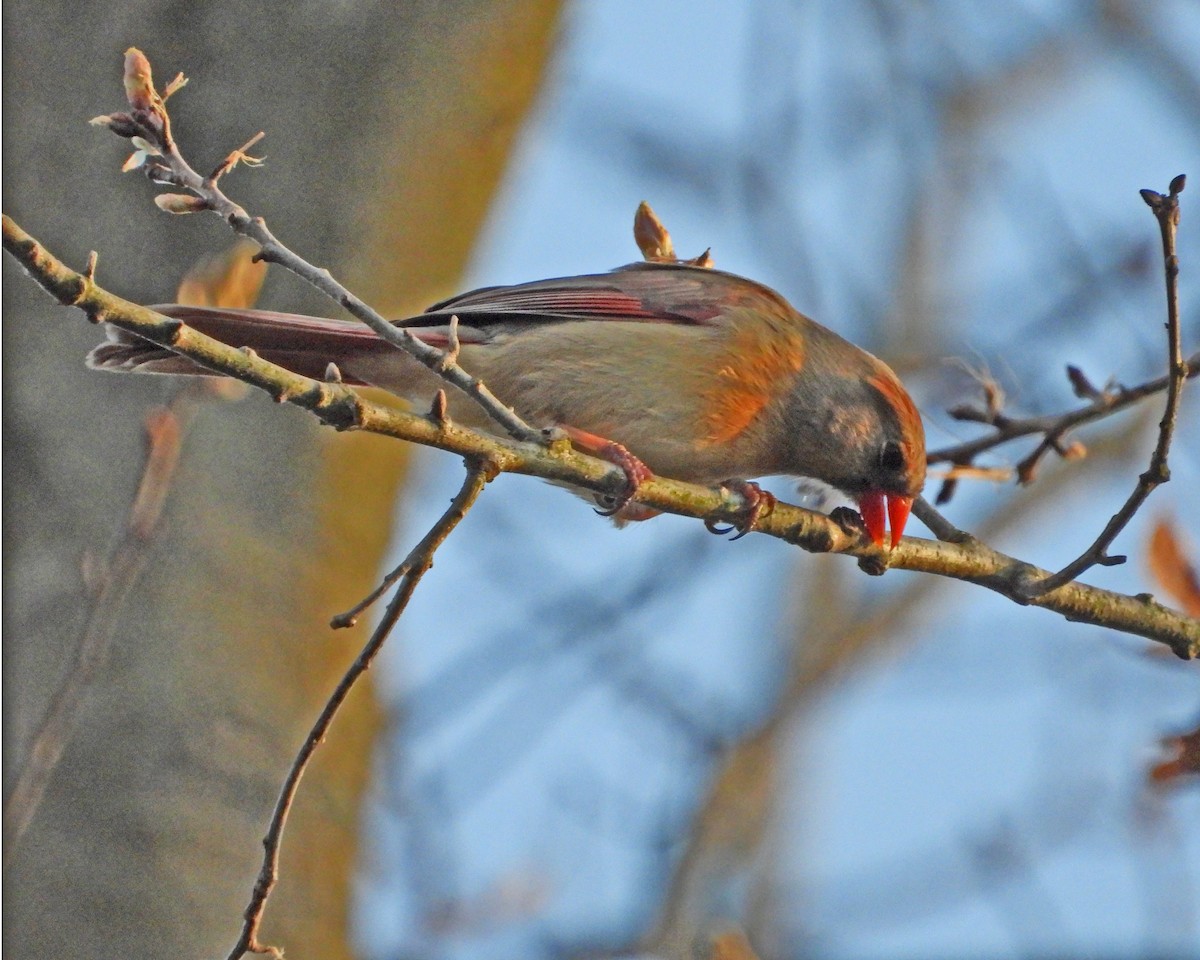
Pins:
x,y
1083,387
438,410
119,123
148,109
1075,450
180,203
139,81
145,150
650,235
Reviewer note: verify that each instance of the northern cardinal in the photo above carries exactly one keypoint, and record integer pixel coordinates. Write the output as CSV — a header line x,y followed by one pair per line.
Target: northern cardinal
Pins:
x,y
701,375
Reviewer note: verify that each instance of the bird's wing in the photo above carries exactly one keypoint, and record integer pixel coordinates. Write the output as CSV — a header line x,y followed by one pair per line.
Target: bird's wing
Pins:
x,y
638,293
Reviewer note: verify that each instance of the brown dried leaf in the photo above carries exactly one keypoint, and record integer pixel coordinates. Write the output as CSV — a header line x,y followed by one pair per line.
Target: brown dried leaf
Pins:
x,y
232,280
732,945
650,235
1171,569
1185,759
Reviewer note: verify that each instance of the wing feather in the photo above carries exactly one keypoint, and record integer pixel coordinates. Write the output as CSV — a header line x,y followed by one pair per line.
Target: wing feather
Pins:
x,y
637,293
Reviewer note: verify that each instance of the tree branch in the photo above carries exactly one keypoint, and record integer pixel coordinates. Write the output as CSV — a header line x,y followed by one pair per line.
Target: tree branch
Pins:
x,y
149,127
959,556
1053,428
109,581
1166,210
416,564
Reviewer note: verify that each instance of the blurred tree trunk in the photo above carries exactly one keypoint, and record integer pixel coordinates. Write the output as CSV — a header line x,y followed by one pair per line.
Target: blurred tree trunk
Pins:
x,y
388,126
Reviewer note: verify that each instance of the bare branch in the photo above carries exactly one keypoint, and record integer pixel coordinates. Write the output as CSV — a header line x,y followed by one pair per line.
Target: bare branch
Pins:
x,y
1166,210
164,163
416,564
337,405
1105,403
110,581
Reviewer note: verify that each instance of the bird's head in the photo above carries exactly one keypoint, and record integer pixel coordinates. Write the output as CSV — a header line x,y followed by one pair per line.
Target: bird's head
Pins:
x,y
891,460
853,426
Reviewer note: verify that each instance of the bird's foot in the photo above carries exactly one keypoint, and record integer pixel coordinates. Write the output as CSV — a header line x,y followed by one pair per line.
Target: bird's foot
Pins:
x,y
759,503
636,473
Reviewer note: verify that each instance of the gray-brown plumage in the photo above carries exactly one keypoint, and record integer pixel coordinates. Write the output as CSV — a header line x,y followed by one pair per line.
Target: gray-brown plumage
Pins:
x,y
701,374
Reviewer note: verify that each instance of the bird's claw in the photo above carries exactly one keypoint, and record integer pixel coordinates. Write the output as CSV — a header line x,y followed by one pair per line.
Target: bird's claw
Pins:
x,y
759,503
850,520
636,473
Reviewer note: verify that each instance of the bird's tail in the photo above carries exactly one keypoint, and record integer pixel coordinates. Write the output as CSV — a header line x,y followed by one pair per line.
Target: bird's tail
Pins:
x,y
305,345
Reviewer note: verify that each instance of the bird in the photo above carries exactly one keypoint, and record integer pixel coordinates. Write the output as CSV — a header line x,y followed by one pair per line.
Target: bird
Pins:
x,y
664,367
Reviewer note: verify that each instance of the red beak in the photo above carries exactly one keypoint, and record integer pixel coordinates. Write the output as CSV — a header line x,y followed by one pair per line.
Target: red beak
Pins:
x,y
878,510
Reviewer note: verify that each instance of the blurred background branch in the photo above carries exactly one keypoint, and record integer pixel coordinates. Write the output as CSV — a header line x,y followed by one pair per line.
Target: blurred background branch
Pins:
x,y
395,125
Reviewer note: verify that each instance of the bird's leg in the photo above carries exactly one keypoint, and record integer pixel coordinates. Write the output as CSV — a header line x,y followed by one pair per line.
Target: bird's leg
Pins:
x,y
635,473
759,503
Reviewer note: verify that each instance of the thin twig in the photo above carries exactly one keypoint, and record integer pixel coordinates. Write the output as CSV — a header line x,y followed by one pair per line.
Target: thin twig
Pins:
x,y
1103,404
419,560
339,406
112,579
350,617
1166,210
164,163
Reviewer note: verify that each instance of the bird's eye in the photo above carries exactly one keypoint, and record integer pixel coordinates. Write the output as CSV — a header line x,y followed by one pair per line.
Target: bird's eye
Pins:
x,y
891,456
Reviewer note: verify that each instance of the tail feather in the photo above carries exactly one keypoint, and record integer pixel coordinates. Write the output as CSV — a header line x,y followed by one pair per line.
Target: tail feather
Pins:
x,y
304,345
126,353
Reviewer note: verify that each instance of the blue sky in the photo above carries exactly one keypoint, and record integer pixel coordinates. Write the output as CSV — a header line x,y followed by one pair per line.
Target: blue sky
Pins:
x,y
932,180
